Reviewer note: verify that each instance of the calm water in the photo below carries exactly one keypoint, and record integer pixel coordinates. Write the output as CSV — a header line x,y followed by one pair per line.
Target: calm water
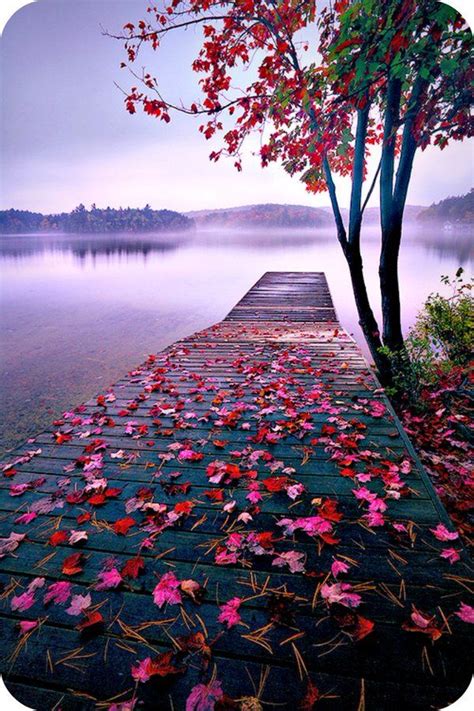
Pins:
x,y
78,311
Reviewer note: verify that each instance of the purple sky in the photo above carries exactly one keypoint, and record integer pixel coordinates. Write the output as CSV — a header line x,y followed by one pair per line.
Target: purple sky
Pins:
x,y
66,137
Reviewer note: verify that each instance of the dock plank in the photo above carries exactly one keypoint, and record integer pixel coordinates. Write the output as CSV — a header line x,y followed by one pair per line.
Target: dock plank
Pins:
x,y
249,458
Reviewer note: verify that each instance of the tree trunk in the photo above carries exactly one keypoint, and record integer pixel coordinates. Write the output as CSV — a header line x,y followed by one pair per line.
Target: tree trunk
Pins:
x,y
367,320
391,223
351,250
389,286
392,205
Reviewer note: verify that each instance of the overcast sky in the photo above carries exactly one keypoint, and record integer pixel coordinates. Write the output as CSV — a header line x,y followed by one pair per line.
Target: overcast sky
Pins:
x,y
66,137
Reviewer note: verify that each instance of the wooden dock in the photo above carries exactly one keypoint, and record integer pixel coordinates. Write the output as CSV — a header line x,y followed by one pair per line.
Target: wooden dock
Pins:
x,y
251,524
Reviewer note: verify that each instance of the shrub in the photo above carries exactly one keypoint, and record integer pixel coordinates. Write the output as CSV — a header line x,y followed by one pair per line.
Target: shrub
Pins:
x,y
441,341
448,323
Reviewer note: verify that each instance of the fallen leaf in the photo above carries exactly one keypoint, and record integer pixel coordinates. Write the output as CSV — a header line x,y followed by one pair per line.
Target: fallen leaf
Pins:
x,y
123,525
73,564
133,567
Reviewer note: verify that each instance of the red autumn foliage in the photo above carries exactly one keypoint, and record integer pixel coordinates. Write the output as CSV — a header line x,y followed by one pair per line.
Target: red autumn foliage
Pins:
x,y
123,525
92,619
133,567
276,483
438,427
322,85
57,538
73,564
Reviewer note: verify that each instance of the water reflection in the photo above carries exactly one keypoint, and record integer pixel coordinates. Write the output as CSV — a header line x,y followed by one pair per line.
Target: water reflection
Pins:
x,y
83,247
457,245
77,311
444,243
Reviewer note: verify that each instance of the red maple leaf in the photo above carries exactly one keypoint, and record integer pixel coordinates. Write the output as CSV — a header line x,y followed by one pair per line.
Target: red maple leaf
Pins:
x,y
73,564
215,494
61,437
312,695
184,507
265,539
173,489
92,618
112,493
356,626
133,567
328,510
75,497
275,483
97,500
58,537
122,525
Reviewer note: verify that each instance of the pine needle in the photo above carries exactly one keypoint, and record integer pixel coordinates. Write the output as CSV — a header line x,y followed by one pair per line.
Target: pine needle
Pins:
x,y
302,670
361,706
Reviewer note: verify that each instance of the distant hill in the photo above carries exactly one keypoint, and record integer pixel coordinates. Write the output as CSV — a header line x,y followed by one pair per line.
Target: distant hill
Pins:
x,y
95,220
372,214
262,216
282,216
456,210
451,210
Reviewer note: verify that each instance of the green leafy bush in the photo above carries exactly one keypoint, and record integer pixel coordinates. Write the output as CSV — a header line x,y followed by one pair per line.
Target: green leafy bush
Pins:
x,y
441,340
448,323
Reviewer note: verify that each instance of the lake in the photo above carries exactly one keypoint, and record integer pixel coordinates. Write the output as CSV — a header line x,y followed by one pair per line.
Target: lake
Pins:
x,y
78,311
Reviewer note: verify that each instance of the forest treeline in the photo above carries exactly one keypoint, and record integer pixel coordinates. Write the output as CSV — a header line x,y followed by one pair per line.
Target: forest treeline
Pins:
x,y
454,210
95,220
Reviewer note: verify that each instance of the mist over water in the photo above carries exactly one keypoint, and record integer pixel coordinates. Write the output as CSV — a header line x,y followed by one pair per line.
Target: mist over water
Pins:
x,y
78,311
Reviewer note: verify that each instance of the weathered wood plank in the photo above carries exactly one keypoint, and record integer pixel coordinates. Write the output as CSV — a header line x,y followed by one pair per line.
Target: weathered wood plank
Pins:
x,y
277,392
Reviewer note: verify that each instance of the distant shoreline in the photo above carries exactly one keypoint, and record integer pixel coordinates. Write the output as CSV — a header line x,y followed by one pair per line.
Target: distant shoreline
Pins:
x,y
453,213
372,231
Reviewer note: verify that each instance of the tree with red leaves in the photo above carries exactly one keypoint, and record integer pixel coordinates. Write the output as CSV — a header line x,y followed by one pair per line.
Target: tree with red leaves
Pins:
x,y
327,86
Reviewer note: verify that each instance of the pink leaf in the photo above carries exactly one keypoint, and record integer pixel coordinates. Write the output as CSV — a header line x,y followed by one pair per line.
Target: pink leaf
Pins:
x,y
442,533
58,592
79,603
400,527
26,518
22,602
8,545
142,671
420,620
293,559
35,584
312,525
465,613
108,579
226,558
374,518
450,554
377,505
254,497
364,494
295,490
18,489
77,537
377,408
339,567
27,625
203,697
167,590
340,593
123,705
229,614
